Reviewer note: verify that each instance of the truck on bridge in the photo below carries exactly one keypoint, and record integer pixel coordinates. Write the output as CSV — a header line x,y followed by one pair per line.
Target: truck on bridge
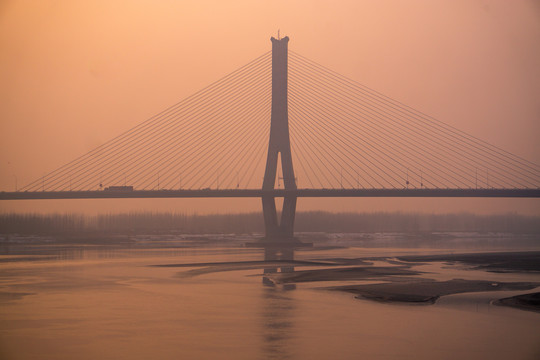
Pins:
x,y
119,188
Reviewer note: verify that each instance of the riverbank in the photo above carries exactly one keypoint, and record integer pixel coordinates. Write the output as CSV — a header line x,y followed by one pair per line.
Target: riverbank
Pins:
x,y
529,302
428,292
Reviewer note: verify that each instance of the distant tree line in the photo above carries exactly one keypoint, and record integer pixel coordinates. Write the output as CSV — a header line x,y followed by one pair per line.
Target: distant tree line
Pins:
x,y
249,223
415,222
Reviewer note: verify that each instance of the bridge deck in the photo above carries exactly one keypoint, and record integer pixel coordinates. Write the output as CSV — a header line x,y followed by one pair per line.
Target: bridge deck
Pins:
x,y
257,193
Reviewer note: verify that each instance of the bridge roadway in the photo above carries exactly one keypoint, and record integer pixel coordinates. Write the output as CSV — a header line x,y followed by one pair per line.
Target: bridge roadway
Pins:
x,y
258,193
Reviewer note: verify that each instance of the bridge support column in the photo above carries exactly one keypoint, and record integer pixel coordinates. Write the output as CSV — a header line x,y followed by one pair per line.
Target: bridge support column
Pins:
x,y
279,146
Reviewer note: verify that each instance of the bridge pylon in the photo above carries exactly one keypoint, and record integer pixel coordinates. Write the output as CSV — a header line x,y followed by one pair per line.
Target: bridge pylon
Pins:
x,y
279,147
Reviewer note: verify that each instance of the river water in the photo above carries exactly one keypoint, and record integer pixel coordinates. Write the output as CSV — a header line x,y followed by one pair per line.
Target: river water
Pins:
x,y
101,302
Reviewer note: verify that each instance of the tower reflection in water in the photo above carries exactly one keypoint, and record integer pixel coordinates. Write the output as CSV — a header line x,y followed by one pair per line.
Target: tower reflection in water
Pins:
x,y
278,305
276,255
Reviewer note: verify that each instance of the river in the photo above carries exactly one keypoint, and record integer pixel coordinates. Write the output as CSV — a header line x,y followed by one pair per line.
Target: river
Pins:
x,y
178,297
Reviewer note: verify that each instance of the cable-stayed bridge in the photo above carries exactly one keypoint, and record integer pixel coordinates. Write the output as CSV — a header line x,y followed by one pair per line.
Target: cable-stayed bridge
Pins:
x,y
344,139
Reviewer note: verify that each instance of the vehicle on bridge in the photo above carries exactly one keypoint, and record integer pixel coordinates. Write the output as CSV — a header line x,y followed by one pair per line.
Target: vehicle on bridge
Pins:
x,y
119,188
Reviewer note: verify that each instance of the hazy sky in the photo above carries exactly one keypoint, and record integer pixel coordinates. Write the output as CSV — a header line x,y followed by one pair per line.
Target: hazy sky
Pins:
x,y
75,73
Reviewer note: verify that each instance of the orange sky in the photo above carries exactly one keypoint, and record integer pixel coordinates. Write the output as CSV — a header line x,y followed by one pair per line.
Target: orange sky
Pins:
x,y
75,73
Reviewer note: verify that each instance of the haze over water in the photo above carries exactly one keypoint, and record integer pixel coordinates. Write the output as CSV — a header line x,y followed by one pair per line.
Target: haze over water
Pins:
x,y
62,301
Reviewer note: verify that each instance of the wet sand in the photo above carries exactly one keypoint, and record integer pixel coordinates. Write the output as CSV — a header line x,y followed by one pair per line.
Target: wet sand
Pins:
x,y
493,262
398,282
428,292
529,302
401,284
348,273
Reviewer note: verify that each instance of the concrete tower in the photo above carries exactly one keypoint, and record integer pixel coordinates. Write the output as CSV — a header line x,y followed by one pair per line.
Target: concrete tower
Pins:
x,y
279,147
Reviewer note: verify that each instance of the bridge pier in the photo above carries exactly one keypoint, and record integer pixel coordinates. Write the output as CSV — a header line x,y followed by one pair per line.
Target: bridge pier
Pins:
x,y
279,148
284,229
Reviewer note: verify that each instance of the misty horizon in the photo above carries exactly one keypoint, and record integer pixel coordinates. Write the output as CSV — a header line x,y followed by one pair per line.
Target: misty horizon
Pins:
x,y
14,173
252,223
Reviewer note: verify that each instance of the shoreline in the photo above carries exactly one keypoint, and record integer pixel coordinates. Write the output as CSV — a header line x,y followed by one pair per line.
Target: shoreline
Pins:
x,y
428,292
529,302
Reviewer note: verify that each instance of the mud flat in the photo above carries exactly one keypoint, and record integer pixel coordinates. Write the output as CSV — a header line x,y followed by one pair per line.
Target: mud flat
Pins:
x,y
529,302
397,283
349,273
493,262
427,292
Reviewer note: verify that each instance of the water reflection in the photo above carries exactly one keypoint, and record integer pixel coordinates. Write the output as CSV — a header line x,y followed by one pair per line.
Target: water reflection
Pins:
x,y
278,304
277,323
278,254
